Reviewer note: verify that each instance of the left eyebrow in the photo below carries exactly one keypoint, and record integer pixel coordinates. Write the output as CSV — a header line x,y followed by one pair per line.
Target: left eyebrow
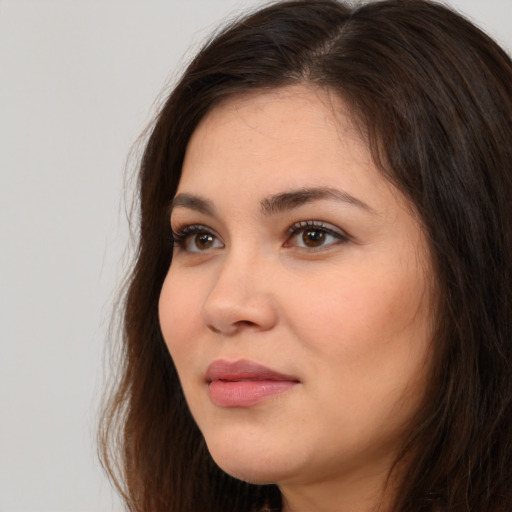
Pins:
x,y
296,198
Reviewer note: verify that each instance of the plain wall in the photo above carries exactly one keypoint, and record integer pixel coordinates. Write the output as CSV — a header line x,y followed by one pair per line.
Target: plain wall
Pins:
x,y
78,83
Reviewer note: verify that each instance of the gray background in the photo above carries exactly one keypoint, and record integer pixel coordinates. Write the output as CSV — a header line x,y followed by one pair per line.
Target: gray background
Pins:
x,y
78,84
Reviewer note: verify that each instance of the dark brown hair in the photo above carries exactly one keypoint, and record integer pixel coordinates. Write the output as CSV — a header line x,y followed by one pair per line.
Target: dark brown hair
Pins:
x,y
434,96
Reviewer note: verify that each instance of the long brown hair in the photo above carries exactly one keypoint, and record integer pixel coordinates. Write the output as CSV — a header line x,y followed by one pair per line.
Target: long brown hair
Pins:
x,y
434,95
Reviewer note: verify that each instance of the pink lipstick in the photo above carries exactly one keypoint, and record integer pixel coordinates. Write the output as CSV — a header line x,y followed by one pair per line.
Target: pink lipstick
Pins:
x,y
244,383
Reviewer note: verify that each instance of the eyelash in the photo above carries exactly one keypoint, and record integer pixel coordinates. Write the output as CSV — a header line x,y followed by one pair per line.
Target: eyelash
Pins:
x,y
181,235
313,225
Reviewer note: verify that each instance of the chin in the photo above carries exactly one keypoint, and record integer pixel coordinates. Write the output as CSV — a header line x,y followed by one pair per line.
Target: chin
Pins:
x,y
252,464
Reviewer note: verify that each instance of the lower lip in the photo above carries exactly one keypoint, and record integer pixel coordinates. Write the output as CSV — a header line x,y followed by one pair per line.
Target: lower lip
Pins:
x,y
246,393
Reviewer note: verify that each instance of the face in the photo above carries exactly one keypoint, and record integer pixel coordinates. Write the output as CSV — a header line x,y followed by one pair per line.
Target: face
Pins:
x,y
296,308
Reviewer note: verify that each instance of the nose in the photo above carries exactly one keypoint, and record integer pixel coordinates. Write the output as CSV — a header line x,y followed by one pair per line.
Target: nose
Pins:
x,y
241,298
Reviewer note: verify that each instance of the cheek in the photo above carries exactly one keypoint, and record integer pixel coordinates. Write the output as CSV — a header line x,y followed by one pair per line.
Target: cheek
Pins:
x,y
372,324
178,310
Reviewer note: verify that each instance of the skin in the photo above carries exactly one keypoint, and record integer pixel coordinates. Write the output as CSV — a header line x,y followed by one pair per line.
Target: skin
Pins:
x,y
350,317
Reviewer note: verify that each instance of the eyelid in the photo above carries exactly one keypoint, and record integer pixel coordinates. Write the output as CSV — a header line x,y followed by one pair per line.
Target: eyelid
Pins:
x,y
181,233
318,224
302,226
182,230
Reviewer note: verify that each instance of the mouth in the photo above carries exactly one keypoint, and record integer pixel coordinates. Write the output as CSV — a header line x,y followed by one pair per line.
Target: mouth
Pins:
x,y
245,383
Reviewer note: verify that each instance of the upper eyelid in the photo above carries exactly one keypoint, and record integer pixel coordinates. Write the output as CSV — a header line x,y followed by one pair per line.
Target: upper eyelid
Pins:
x,y
297,227
185,226
190,226
182,217
179,233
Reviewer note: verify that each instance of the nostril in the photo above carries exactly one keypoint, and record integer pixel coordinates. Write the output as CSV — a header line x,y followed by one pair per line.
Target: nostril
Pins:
x,y
245,323
227,311
213,328
232,328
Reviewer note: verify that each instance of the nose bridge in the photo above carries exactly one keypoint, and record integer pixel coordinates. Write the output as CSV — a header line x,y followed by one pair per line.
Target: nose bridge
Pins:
x,y
241,294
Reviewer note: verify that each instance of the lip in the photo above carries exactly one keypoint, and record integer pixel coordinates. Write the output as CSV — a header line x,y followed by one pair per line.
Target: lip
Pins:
x,y
245,383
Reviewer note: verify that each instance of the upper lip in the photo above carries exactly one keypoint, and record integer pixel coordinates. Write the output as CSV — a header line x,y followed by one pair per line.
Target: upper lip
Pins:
x,y
243,369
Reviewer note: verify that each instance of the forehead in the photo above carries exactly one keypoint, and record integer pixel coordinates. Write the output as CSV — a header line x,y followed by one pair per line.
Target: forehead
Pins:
x,y
290,108
285,131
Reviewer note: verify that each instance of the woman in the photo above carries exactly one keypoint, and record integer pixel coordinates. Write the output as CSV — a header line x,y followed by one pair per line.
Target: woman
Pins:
x,y
319,317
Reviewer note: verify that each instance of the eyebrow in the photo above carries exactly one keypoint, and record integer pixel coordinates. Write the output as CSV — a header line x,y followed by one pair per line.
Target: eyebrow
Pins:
x,y
296,198
276,203
193,202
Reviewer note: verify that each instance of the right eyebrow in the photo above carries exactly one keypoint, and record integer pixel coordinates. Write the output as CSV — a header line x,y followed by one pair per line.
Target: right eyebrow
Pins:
x,y
193,202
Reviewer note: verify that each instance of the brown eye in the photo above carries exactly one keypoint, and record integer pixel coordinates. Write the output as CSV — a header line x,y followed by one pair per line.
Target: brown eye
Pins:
x,y
313,237
196,238
203,241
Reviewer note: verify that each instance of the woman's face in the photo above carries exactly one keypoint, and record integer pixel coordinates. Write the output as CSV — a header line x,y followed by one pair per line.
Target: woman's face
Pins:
x,y
296,308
